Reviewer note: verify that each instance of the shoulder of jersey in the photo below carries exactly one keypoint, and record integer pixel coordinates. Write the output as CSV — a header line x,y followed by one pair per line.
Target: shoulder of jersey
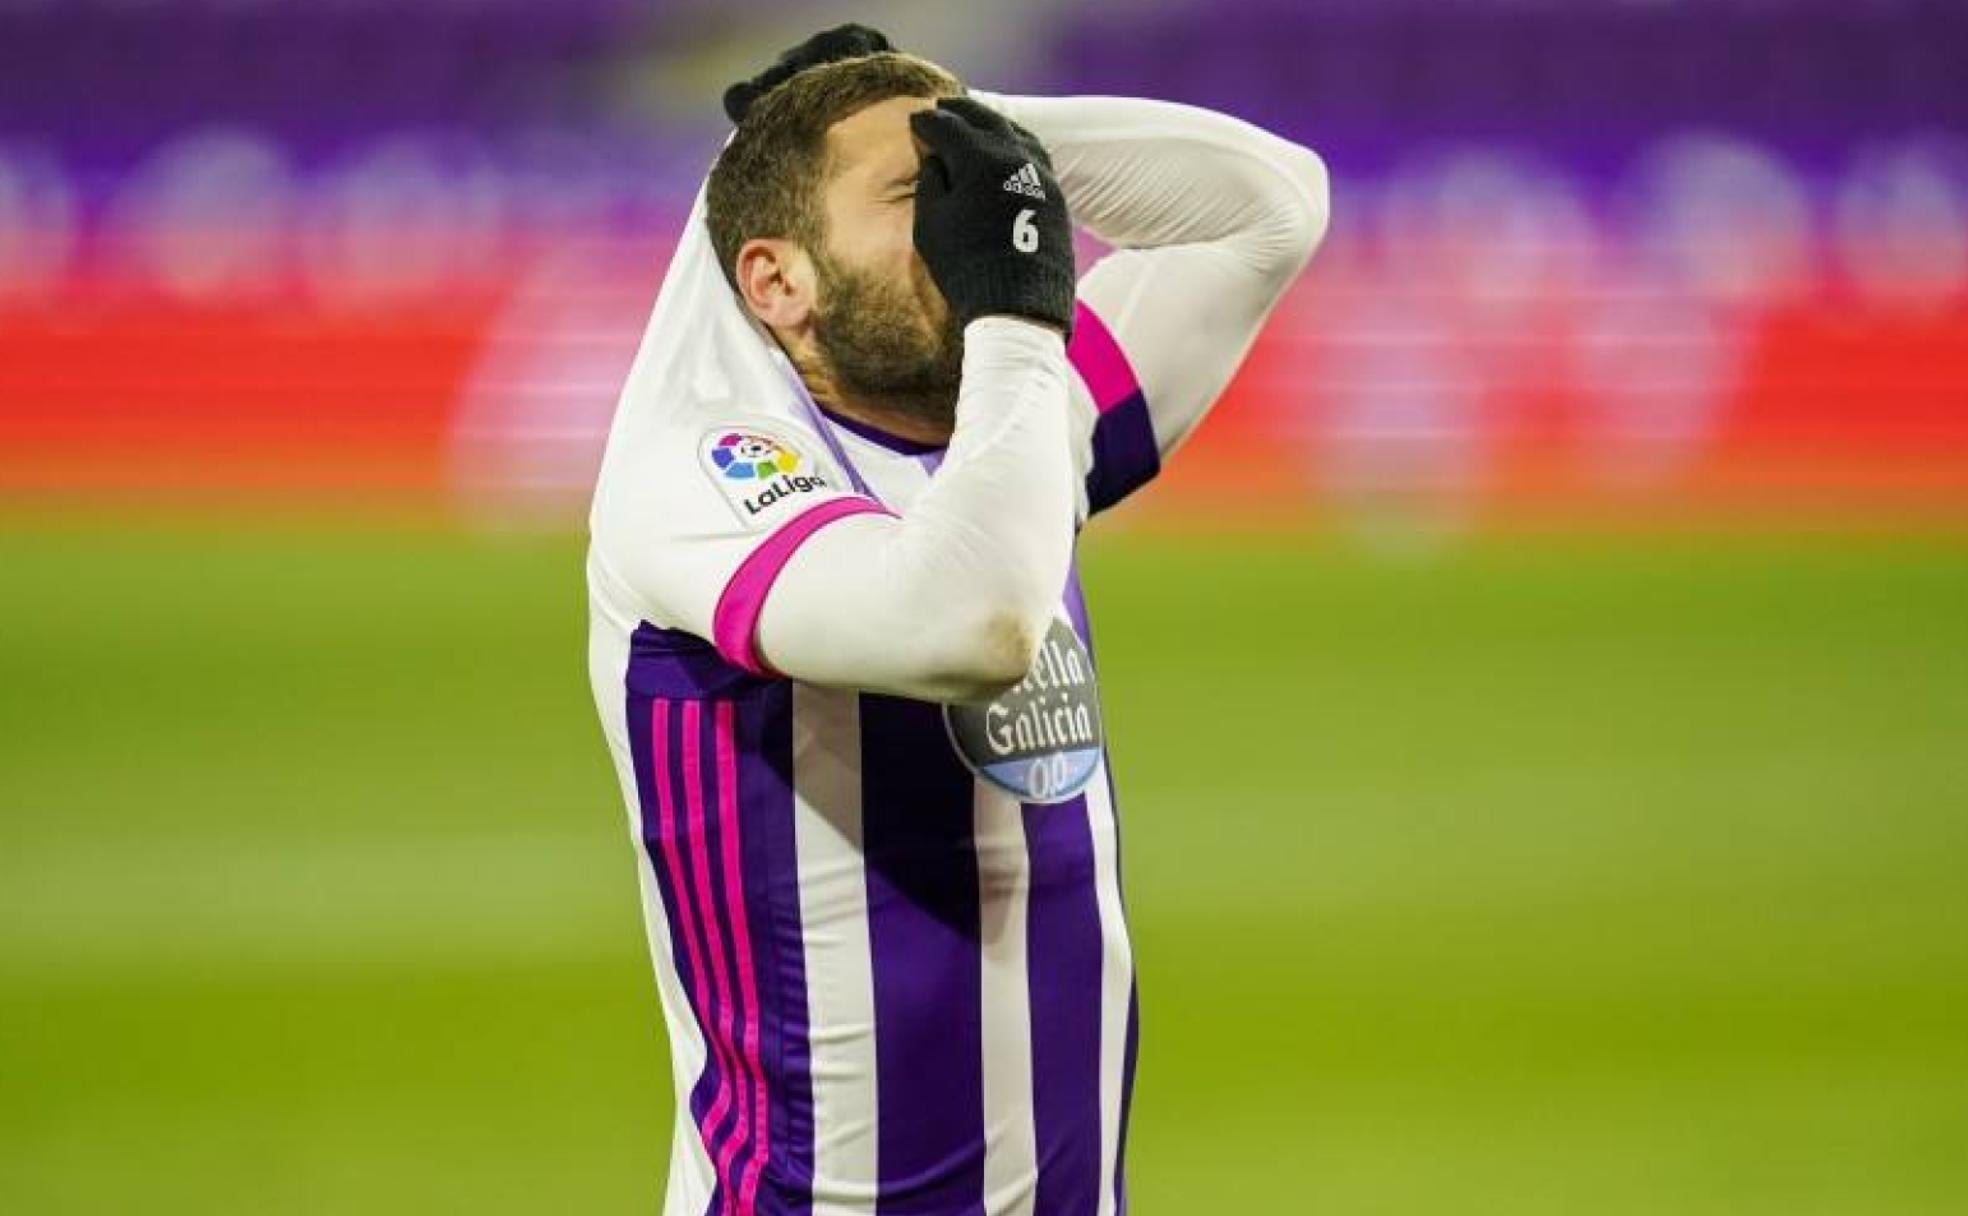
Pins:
x,y
766,469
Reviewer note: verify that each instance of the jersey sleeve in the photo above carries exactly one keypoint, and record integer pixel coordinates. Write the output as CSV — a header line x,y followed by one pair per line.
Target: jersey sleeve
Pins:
x,y
1125,454
713,511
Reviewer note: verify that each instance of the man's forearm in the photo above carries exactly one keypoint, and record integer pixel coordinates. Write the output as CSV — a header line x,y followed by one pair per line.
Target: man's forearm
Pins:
x,y
950,601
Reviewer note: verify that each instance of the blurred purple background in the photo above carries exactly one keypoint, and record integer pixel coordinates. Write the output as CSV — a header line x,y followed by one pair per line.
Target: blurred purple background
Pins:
x,y
1702,251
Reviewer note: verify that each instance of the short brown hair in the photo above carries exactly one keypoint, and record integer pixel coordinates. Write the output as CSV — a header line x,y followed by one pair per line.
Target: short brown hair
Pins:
x,y
767,181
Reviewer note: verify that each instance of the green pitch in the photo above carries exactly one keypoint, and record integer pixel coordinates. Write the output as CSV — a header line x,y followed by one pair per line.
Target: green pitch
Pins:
x,y
1545,877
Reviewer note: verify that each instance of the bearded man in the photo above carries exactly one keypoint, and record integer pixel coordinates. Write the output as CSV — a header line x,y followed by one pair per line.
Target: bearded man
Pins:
x,y
839,645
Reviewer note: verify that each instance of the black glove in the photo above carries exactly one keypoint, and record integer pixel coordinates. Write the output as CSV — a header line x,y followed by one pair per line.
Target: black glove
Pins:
x,y
842,42
991,221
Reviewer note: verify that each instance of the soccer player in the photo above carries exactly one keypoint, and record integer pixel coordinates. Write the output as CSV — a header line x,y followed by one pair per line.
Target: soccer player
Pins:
x,y
839,646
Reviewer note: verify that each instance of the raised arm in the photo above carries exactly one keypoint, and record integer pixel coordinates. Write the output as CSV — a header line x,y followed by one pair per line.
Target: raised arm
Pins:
x,y
951,601
1210,218
948,602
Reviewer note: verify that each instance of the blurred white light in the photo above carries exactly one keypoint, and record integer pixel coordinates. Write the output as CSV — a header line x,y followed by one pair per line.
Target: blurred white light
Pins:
x,y
1902,224
37,222
533,414
1403,445
408,217
208,215
1725,218
1496,231
1657,369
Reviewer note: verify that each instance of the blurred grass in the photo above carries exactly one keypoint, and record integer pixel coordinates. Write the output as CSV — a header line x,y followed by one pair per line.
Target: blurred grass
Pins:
x,y
1533,877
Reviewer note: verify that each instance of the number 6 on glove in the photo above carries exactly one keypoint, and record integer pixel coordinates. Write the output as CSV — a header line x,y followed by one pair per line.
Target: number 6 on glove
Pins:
x,y
991,221
1024,237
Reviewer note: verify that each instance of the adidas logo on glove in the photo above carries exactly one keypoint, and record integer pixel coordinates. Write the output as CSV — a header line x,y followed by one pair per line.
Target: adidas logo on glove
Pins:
x,y
1026,182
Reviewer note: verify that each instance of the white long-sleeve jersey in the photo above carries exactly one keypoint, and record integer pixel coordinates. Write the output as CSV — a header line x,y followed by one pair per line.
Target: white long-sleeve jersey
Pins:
x,y
849,687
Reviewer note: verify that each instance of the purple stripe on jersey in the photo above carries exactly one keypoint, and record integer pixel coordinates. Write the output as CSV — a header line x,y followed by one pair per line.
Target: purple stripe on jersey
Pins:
x,y
715,782
651,735
724,1140
1134,1008
1126,455
880,438
1064,953
1127,1091
764,744
752,1163
681,666
1076,610
916,824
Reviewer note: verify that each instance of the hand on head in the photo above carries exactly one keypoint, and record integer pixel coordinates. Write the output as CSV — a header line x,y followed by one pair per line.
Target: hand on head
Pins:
x,y
991,221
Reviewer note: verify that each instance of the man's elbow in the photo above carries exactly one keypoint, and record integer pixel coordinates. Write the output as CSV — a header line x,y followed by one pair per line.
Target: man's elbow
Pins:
x,y
988,654
1304,212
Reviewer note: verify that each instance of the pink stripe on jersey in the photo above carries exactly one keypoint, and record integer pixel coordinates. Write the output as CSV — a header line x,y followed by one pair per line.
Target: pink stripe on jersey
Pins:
x,y
700,866
734,890
673,862
1098,358
734,623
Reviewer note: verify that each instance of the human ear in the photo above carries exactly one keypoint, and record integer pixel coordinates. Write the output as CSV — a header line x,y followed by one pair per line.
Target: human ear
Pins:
x,y
775,279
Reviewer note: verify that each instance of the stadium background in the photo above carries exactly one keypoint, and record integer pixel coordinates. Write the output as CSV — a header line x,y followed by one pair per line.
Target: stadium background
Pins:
x,y
1539,692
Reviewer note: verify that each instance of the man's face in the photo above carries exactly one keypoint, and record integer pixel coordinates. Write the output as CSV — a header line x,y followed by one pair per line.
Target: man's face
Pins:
x,y
881,324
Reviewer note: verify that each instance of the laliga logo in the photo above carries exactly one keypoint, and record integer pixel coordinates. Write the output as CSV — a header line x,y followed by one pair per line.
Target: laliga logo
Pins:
x,y
752,457
757,472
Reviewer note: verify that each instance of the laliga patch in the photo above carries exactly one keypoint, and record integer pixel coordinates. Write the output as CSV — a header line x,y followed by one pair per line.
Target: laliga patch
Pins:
x,y
1040,741
760,474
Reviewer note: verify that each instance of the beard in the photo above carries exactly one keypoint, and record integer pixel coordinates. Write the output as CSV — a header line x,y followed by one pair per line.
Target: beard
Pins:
x,y
887,345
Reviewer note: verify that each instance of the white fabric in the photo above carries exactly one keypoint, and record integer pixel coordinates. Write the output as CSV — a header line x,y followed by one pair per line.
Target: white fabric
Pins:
x,y
665,540
840,985
1011,1159
950,601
